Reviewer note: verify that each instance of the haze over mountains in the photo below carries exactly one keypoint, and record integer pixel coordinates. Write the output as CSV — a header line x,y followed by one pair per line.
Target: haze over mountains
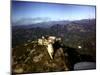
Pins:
x,y
46,22
27,21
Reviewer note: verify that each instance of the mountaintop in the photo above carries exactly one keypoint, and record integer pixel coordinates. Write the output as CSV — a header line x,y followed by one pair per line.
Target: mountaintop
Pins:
x,y
35,58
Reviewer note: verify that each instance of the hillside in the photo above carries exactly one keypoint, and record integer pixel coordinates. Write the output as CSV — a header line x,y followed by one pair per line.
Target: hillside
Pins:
x,y
78,40
74,33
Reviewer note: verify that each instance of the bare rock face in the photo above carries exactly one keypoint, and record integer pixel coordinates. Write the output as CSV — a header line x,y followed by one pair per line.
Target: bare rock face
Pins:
x,y
36,60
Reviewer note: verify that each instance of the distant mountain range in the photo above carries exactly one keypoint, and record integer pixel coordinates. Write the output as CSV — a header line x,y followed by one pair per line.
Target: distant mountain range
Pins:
x,y
46,24
69,30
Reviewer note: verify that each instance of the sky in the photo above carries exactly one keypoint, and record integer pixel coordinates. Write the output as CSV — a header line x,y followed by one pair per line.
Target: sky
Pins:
x,y
50,11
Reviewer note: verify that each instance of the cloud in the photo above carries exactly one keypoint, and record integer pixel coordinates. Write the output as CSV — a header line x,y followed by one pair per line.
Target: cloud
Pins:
x,y
26,21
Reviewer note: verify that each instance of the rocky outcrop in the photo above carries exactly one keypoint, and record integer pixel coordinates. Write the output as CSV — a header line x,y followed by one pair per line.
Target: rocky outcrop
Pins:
x,y
35,59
